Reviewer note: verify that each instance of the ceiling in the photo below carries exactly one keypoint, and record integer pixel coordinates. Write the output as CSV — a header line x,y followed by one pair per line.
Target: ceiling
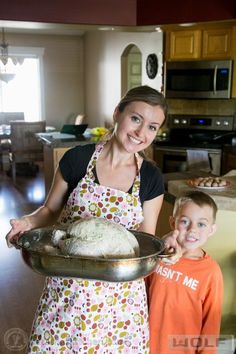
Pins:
x,y
66,29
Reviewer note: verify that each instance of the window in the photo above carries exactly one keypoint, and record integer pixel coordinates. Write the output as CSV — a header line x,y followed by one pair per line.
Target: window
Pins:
x,y
23,92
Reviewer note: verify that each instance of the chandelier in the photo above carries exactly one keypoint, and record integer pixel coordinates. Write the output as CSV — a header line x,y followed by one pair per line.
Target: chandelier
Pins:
x,y
5,76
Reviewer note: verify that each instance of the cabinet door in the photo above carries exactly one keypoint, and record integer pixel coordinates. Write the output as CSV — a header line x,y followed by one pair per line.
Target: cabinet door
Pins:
x,y
216,44
228,162
185,45
57,155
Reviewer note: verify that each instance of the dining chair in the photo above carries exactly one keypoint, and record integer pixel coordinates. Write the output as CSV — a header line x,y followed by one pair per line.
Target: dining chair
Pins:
x,y
25,147
5,142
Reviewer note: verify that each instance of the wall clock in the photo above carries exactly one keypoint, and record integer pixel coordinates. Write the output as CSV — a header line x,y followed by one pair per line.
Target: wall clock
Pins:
x,y
151,66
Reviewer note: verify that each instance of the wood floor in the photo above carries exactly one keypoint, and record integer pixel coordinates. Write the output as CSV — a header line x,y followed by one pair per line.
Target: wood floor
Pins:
x,y
20,287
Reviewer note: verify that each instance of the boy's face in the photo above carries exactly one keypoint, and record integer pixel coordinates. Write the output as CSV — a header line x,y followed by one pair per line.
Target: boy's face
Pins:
x,y
195,224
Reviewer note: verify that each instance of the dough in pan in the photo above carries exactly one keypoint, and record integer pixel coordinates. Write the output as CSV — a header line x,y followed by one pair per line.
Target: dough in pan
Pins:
x,y
96,237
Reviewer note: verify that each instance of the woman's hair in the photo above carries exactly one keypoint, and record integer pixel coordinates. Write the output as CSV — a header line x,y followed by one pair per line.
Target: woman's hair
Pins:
x,y
197,197
144,94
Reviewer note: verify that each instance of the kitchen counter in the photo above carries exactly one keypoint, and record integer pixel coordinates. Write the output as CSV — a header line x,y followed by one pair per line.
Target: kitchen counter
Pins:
x,y
59,140
55,145
225,199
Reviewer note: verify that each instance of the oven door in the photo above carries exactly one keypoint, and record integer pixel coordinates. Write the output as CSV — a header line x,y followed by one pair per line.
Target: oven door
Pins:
x,y
174,159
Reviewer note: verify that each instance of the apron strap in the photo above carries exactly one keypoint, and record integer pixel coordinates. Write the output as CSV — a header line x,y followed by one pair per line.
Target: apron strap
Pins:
x,y
94,158
93,161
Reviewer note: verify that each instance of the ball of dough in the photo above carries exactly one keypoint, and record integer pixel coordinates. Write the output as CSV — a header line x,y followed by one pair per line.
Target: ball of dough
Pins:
x,y
97,237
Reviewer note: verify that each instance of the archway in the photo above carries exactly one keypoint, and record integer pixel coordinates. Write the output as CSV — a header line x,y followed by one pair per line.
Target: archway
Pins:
x,y
131,68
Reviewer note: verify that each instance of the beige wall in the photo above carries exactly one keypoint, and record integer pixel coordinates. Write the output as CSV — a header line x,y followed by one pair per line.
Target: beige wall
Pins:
x,y
63,73
83,73
103,52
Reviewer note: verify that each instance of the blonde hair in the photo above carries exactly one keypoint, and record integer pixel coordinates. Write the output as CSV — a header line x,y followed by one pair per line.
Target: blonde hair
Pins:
x,y
197,197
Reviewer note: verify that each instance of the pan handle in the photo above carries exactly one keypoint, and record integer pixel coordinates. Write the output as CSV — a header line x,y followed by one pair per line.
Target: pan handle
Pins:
x,y
167,253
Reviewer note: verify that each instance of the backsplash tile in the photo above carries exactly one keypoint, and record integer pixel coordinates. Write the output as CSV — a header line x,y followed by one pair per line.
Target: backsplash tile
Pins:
x,y
206,107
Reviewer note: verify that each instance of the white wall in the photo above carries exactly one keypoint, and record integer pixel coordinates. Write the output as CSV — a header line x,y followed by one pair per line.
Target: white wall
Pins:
x,y
83,73
63,73
102,59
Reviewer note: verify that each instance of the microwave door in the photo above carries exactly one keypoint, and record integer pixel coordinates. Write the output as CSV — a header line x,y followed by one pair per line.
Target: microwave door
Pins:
x,y
198,80
189,83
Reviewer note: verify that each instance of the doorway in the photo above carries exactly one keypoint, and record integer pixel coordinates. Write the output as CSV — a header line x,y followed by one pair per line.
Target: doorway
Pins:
x,y
131,68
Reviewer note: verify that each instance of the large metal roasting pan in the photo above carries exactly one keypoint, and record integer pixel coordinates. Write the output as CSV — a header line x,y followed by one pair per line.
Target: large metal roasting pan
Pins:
x,y
32,245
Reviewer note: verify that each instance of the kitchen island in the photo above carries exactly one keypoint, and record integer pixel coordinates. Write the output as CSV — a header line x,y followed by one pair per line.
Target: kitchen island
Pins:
x,y
221,246
55,145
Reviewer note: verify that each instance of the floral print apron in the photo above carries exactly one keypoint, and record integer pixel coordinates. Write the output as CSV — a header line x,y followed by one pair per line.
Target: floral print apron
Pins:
x,y
89,316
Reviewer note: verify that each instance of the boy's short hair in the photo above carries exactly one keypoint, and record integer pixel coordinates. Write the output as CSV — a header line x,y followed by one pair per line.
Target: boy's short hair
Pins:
x,y
197,197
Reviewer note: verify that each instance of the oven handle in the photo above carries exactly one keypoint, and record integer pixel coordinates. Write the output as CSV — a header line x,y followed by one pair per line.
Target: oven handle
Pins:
x,y
184,149
214,80
174,150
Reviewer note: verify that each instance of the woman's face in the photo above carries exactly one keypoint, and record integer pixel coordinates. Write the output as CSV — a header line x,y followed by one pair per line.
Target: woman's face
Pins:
x,y
136,127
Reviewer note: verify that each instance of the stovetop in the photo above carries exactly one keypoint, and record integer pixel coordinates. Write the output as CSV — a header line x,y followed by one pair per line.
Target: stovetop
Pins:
x,y
196,139
198,132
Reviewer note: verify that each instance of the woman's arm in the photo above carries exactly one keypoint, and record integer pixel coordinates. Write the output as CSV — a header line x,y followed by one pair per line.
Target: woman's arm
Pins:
x,y
151,210
46,215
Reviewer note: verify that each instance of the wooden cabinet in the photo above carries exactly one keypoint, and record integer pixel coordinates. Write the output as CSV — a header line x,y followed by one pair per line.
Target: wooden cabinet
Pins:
x,y
199,44
52,157
216,44
183,45
228,161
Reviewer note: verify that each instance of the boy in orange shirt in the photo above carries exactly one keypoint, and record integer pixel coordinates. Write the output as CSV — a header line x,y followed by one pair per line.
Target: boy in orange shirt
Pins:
x,y
185,299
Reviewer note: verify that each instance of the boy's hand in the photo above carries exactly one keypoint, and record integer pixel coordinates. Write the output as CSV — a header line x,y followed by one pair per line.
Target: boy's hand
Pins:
x,y
171,245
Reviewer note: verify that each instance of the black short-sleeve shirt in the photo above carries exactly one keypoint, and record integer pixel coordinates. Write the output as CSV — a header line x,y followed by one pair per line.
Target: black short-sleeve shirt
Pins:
x,y
74,162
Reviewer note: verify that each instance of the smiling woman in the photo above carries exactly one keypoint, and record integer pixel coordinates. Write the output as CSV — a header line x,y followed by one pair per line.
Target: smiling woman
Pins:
x,y
108,180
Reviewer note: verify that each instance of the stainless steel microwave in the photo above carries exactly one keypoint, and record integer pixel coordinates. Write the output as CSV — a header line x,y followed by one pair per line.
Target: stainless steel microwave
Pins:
x,y
198,79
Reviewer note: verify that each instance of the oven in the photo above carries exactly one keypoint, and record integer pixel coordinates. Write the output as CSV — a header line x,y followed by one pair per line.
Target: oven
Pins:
x,y
193,134
175,159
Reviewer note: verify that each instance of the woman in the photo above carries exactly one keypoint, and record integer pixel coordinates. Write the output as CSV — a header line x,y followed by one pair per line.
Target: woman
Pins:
x,y
109,180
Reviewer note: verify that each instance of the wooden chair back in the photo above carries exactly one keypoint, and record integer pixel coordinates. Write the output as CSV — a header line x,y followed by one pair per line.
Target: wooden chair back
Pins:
x,y
25,147
23,140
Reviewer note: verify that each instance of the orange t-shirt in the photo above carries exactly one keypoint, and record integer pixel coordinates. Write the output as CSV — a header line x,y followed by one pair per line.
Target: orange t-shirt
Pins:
x,y
185,301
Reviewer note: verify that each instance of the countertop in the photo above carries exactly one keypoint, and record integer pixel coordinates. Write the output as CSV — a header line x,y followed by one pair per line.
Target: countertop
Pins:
x,y
225,199
58,140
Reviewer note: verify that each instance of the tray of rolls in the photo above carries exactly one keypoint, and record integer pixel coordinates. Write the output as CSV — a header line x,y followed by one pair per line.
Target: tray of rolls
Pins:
x,y
209,183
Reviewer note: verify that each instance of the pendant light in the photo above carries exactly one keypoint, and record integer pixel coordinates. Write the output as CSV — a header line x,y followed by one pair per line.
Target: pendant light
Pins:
x,y
5,76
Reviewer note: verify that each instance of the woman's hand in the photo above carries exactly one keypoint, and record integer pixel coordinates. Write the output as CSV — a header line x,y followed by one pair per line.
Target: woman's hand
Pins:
x,y
171,245
19,226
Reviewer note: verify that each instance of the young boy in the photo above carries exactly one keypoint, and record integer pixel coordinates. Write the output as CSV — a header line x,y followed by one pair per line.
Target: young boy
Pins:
x,y
185,299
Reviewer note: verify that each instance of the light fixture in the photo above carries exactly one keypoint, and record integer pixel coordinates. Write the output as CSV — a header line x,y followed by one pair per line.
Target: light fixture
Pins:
x,y
5,76
4,49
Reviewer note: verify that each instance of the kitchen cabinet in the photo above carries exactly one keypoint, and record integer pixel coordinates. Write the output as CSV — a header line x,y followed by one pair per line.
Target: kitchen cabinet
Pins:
x,y
216,44
52,157
228,160
204,44
183,45
212,41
